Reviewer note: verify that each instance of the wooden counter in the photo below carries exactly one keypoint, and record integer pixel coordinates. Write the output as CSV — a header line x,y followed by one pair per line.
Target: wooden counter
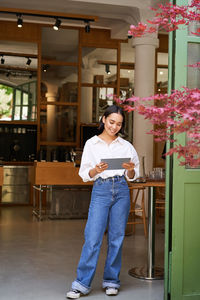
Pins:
x,y
55,173
64,173
17,163
1,176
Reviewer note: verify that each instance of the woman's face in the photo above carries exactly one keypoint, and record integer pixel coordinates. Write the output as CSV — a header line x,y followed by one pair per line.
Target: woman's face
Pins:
x,y
113,123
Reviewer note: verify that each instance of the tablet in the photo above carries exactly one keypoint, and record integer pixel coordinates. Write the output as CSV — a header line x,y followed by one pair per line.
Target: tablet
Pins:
x,y
115,163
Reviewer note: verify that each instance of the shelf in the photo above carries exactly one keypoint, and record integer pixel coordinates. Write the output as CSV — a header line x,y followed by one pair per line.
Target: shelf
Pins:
x,y
19,122
62,103
99,85
47,143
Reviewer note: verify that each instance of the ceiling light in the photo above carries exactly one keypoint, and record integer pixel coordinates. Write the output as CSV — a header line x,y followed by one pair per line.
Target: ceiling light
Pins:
x,y
57,18
19,20
107,69
8,74
57,24
28,61
87,27
2,60
161,73
45,67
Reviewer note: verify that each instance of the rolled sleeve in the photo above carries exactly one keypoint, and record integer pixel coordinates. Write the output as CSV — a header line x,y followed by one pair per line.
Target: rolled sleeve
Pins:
x,y
135,160
86,164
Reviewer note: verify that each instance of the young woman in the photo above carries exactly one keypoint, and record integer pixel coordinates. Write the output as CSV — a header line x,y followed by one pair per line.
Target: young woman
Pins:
x,y
110,203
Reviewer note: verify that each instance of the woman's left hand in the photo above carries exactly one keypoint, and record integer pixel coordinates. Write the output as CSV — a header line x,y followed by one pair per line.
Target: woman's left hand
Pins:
x,y
130,169
129,166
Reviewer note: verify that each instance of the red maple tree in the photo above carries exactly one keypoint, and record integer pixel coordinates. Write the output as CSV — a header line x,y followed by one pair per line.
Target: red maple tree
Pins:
x,y
179,111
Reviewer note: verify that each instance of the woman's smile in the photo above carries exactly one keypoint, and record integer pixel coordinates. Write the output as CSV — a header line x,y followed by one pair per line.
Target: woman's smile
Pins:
x,y
113,123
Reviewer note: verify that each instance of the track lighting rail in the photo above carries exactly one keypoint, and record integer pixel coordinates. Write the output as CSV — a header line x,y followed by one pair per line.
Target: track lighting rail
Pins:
x,y
44,14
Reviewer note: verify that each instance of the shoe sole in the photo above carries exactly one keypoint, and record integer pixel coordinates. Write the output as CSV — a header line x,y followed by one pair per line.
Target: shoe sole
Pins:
x,y
68,296
111,293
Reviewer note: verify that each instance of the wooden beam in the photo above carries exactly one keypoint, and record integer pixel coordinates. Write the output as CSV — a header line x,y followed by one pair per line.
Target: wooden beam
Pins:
x,y
40,13
123,65
58,63
18,54
10,68
162,66
59,103
98,85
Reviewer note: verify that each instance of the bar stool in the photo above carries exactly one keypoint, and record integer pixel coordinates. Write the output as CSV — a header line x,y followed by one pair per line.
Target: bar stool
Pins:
x,y
137,208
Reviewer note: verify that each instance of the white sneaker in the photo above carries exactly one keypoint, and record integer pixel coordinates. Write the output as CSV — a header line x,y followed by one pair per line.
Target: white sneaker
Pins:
x,y
110,291
73,294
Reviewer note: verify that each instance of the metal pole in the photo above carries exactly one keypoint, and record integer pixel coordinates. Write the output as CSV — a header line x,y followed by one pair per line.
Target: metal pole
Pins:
x,y
151,233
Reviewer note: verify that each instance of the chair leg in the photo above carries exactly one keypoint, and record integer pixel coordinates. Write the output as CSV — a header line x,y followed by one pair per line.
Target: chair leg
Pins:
x,y
133,215
144,216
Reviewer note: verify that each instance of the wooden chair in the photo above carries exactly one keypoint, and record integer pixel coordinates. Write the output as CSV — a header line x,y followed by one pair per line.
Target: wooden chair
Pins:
x,y
160,203
134,218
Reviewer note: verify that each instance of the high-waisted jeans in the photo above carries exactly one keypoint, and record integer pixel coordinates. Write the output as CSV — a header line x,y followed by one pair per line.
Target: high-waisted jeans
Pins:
x,y
109,208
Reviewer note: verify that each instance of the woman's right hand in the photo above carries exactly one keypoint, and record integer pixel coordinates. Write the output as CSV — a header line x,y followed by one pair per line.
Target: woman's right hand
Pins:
x,y
99,168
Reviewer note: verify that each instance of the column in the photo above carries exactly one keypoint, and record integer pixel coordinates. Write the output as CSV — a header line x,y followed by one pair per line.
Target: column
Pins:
x,y
86,97
143,87
51,117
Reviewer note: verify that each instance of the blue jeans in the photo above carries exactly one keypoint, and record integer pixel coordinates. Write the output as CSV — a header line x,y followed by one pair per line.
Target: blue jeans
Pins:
x,y
109,206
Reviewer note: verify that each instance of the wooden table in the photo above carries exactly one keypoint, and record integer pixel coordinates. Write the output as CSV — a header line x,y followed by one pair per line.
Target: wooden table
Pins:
x,y
150,272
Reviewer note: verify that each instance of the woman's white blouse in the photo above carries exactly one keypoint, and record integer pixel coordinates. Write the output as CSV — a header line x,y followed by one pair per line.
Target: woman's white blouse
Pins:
x,y
96,149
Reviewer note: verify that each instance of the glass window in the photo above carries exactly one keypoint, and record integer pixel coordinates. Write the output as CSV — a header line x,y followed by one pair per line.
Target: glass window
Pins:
x,y
162,80
66,78
193,74
18,97
24,113
162,58
99,65
61,45
6,100
17,113
127,53
23,106
25,99
193,25
62,121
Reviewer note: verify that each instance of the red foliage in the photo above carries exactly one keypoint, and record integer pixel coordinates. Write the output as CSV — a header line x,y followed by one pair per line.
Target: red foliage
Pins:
x,y
169,17
180,111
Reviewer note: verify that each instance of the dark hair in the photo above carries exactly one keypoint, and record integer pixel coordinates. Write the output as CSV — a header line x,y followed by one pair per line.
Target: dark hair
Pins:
x,y
110,110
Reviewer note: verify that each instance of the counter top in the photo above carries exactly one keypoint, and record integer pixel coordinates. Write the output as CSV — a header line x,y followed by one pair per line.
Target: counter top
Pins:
x,y
149,183
55,173
17,163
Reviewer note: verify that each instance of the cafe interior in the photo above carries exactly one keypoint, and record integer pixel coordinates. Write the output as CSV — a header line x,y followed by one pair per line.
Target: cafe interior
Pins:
x,y
59,71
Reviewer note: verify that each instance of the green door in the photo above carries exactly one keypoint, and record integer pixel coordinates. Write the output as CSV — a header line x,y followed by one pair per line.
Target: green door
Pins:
x,y
182,243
